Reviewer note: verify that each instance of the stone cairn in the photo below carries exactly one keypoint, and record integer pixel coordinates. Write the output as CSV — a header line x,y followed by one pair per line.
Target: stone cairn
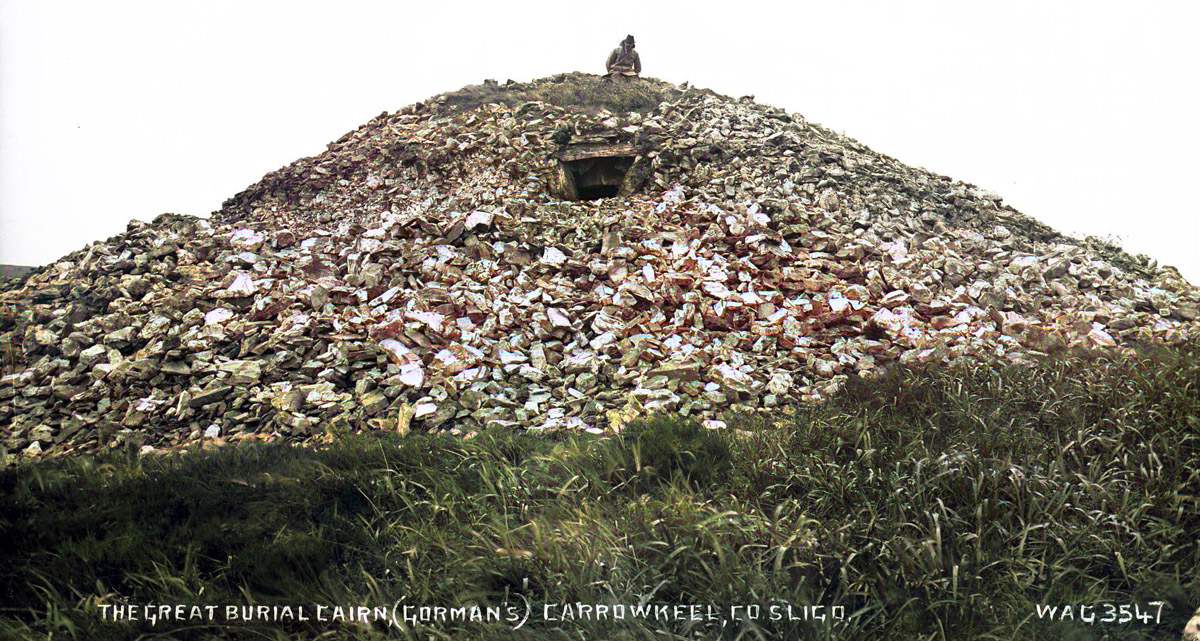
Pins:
x,y
433,270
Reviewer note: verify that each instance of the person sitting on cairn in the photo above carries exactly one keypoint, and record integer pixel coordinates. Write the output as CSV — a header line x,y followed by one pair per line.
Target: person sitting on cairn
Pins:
x,y
623,64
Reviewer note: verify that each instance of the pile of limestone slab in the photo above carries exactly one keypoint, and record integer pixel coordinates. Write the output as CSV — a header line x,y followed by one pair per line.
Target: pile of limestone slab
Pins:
x,y
423,274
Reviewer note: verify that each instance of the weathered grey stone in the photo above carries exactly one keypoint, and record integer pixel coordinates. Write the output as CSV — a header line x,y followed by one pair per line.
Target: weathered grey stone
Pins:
x,y
1056,268
1191,631
243,370
42,433
178,368
93,355
374,403
762,260
210,396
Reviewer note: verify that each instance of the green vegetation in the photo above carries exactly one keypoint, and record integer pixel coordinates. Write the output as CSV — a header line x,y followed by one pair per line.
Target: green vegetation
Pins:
x,y
582,91
932,504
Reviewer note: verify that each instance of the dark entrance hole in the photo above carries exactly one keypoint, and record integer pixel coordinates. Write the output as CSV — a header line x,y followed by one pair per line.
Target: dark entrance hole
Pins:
x,y
599,177
598,191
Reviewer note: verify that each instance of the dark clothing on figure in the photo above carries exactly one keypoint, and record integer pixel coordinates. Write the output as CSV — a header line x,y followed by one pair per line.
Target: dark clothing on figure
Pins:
x,y
624,61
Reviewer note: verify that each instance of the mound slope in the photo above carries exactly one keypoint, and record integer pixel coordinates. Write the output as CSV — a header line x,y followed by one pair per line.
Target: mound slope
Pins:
x,y
433,269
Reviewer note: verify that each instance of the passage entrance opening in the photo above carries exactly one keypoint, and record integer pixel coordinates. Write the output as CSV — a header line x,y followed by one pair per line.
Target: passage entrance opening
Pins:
x,y
599,177
592,171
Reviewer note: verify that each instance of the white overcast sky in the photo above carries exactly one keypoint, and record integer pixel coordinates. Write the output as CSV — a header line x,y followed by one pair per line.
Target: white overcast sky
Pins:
x,y
1081,114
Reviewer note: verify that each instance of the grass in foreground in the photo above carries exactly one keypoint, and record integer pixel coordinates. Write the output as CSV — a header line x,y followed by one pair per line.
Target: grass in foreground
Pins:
x,y
931,504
